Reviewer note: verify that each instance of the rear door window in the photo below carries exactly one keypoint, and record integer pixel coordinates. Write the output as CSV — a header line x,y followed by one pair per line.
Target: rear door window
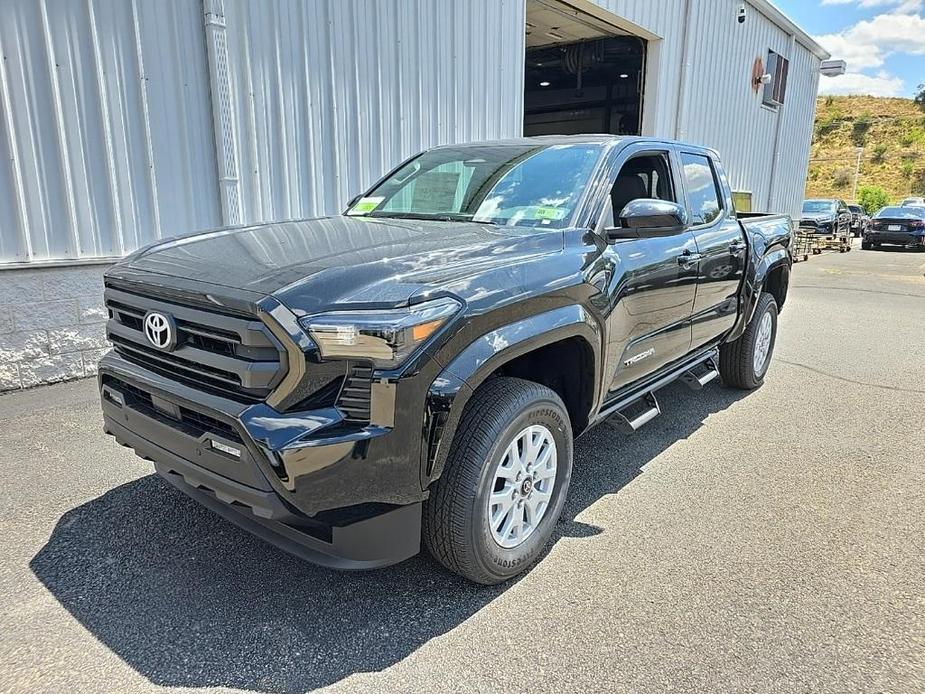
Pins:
x,y
703,194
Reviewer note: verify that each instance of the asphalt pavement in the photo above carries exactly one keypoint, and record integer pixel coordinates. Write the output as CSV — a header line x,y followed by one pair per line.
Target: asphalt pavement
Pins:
x,y
765,542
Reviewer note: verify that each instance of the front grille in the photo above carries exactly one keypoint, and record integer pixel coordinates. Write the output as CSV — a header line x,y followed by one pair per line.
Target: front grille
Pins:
x,y
355,396
228,354
191,422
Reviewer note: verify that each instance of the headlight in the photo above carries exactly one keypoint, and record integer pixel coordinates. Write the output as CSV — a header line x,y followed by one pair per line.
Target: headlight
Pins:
x,y
385,337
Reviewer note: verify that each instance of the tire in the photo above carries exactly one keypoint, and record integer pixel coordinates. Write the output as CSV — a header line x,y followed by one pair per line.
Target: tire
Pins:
x,y
737,363
866,245
456,525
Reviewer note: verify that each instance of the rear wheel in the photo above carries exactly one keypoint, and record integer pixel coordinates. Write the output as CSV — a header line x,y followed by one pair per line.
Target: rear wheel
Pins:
x,y
743,363
866,245
494,508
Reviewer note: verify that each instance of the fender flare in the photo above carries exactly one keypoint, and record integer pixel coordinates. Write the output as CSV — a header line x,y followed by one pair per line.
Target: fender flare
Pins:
x,y
753,285
451,390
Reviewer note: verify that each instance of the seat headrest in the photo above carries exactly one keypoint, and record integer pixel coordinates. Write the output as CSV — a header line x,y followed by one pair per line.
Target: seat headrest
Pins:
x,y
628,187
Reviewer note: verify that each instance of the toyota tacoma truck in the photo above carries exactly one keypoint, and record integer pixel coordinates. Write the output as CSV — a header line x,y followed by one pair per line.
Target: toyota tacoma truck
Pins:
x,y
413,371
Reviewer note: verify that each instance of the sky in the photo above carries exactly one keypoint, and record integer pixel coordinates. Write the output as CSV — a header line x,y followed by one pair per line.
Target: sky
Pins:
x,y
883,42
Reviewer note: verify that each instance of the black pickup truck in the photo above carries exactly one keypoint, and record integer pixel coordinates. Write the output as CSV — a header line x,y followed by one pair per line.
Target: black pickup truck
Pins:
x,y
414,370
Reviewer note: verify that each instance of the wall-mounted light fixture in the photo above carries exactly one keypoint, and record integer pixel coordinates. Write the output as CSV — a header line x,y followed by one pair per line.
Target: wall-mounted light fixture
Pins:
x,y
833,68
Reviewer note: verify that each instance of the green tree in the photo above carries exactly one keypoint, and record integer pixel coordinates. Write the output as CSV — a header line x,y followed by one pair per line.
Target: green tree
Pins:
x,y
872,198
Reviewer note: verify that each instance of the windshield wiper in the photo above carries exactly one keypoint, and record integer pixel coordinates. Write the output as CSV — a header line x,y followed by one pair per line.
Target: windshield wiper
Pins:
x,y
435,217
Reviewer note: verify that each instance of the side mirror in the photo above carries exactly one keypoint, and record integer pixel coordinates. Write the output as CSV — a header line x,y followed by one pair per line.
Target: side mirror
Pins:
x,y
647,218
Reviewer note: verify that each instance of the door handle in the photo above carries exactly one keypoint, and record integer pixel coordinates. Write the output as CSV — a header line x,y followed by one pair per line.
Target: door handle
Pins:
x,y
737,247
688,259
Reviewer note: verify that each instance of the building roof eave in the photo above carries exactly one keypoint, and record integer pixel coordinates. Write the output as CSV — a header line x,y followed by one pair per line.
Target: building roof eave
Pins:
x,y
767,8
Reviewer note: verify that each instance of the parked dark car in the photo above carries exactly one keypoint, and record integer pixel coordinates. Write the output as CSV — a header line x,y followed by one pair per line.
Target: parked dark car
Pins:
x,y
826,217
416,368
896,226
859,220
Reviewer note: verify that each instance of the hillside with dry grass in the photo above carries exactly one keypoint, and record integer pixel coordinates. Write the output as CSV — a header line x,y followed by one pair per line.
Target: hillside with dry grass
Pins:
x,y
892,135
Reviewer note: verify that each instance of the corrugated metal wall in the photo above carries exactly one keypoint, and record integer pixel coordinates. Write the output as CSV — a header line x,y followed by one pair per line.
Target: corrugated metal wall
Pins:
x,y
331,94
107,139
745,134
105,128
721,110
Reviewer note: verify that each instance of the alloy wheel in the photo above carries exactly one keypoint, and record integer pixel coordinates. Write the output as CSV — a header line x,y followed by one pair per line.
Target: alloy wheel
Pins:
x,y
523,481
763,342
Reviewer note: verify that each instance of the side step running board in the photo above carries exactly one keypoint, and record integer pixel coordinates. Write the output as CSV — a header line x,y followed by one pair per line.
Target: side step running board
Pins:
x,y
636,414
697,377
640,407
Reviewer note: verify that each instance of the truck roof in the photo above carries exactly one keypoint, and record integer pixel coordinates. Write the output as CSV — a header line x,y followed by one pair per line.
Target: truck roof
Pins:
x,y
590,138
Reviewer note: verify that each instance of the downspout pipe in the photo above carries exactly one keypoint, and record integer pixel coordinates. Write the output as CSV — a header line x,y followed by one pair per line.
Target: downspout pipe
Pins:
x,y
223,116
680,124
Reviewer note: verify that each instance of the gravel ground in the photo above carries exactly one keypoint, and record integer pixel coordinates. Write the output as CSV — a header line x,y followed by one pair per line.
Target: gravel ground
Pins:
x,y
773,541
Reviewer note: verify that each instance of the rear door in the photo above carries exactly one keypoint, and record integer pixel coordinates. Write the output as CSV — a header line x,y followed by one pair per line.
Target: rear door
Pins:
x,y
720,244
653,281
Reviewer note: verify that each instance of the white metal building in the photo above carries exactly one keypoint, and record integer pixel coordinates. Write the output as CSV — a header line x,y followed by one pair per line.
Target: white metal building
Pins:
x,y
126,121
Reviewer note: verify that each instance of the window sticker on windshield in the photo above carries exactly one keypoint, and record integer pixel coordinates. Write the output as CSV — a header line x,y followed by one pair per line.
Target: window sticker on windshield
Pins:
x,y
365,205
549,213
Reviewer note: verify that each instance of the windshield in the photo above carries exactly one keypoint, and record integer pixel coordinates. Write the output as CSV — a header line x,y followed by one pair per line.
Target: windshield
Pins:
x,y
856,209
504,184
902,213
818,206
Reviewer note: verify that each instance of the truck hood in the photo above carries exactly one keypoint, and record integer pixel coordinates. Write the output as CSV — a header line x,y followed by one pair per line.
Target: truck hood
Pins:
x,y
824,217
316,264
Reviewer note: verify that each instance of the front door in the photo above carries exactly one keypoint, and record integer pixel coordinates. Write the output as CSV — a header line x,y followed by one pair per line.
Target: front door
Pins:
x,y
721,244
652,294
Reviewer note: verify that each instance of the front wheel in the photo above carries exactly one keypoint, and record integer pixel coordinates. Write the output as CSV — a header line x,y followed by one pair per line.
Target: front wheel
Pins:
x,y
493,510
744,362
866,245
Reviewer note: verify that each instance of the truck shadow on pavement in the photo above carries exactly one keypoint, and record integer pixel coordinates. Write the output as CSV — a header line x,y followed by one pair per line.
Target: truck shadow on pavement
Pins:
x,y
187,599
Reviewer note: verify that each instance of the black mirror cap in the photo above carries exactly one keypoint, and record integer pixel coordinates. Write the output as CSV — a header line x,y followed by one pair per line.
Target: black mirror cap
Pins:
x,y
649,218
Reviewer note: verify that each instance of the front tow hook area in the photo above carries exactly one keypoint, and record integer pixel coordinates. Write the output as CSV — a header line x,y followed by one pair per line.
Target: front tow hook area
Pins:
x,y
373,543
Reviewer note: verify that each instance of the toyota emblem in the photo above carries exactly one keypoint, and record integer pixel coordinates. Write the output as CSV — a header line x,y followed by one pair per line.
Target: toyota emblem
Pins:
x,y
160,330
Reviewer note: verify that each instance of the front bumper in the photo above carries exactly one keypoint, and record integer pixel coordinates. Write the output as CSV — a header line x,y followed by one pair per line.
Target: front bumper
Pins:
x,y
335,495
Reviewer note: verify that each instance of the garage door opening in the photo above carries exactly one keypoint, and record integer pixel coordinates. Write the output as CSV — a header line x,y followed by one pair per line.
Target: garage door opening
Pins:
x,y
581,75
